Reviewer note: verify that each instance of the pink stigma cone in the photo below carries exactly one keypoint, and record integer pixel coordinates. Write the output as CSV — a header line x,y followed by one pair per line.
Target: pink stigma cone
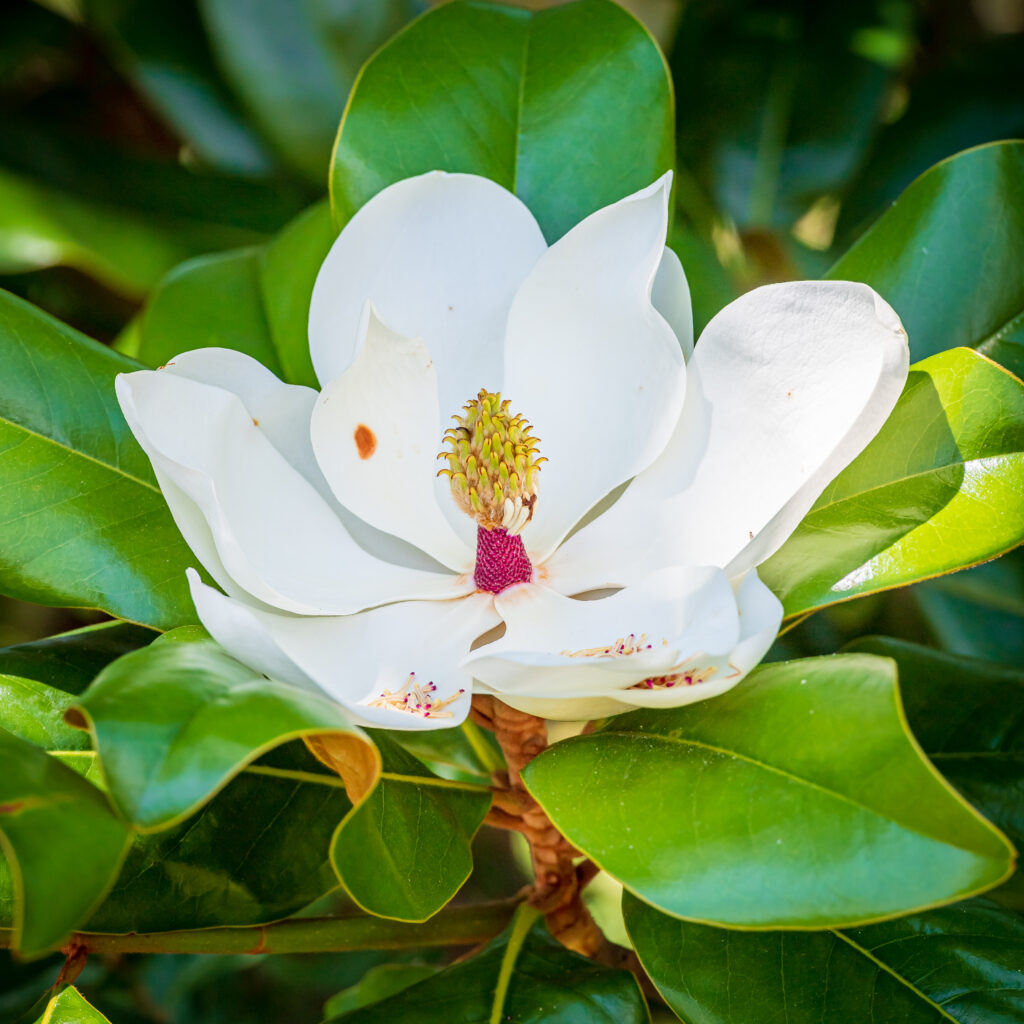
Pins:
x,y
501,560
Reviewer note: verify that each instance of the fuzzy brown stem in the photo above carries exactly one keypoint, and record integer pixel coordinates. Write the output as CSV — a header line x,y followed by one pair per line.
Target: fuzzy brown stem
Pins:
x,y
557,888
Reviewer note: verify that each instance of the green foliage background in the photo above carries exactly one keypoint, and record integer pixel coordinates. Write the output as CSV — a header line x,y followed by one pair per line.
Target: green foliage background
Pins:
x,y
153,155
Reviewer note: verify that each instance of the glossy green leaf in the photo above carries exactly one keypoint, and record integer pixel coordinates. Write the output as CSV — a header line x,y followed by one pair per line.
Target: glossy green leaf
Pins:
x,y
797,799
512,95
404,851
42,227
257,852
70,1007
524,976
939,488
293,65
70,661
254,300
937,260
35,712
62,842
959,963
968,715
174,721
377,984
468,749
83,523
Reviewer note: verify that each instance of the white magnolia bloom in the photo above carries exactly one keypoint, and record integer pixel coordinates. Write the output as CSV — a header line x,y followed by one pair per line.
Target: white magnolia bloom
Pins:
x,y
349,564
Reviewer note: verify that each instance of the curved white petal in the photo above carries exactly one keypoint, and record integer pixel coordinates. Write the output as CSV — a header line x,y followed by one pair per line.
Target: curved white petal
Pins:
x,y
670,296
365,661
274,534
441,256
669,640
712,674
591,363
376,433
785,387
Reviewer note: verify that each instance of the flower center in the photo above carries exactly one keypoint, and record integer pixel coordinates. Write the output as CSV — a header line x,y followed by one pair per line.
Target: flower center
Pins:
x,y
492,468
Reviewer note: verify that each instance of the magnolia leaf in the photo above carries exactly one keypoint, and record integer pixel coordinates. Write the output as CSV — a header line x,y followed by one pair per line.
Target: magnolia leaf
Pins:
x,y
175,721
939,488
70,661
70,1007
375,985
959,963
524,976
62,842
512,95
83,523
254,300
405,850
968,715
935,258
798,799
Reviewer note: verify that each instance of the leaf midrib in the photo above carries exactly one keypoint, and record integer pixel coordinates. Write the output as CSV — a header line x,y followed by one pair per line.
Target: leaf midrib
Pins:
x,y
77,453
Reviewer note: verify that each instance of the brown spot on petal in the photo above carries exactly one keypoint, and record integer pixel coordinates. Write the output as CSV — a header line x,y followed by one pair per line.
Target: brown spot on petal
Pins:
x,y
366,441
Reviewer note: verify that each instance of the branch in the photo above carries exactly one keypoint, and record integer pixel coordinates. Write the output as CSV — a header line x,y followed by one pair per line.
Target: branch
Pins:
x,y
453,926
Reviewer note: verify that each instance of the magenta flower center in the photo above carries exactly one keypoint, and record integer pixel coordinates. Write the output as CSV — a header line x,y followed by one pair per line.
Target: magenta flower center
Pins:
x,y
501,560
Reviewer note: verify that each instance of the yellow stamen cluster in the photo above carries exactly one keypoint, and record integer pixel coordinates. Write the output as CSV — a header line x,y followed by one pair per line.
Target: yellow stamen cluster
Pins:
x,y
492,463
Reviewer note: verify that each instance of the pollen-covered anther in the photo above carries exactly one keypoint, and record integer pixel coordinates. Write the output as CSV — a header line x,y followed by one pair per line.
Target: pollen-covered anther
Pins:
x,y
623,647
685,677
416,699
492,463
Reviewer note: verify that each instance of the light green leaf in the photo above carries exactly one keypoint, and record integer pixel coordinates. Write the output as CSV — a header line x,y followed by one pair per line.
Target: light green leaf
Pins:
x,y
405,849
960,963
175,721
69,1007
940,488
797,799
524,976
62,842
570,108
83,523
936,259
378,983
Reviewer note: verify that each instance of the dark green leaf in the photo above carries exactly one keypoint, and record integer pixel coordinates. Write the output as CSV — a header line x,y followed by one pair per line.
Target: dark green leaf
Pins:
x,y
404,851
293,65
70,661
257,852
467,749
69,1007
378,983
968,715
940,487
937,260
62,842
524,976
83,522
513,96
174,721
253,300
161,47
797,799
960,963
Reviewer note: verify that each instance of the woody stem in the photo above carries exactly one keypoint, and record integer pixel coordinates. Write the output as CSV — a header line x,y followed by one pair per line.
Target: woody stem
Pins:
x,y
558,884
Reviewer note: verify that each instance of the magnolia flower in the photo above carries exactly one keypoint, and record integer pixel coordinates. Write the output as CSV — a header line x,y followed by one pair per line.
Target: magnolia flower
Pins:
x,y
605,489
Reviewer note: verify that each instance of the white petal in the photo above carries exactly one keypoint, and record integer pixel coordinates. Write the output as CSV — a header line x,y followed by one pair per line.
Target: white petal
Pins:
x,y
760,614
670,296
591,363
677,621
785,387
275,535
441,256
358,659
376,433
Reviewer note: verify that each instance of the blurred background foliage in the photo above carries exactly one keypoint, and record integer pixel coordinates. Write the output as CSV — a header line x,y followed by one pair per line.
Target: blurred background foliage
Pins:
x,y
137,134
